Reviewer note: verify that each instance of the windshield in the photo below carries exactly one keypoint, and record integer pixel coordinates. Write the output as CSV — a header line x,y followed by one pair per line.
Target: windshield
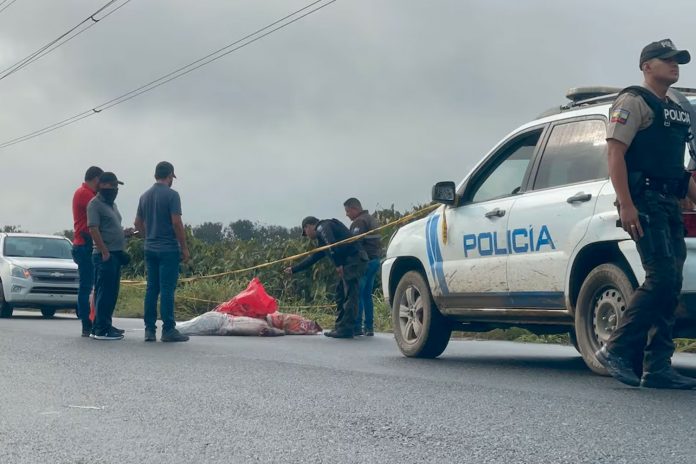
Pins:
x,y
37,247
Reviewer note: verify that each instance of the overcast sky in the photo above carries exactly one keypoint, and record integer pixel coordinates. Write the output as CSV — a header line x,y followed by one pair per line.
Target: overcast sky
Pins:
x,y
377,99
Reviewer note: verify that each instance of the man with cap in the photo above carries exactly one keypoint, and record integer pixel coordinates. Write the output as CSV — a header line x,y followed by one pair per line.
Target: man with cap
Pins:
x,y
82,244
159,220
646,138
350,260
104,222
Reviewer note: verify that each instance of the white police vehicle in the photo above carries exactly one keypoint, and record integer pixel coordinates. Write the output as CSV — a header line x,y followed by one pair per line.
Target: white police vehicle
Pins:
x,y
530,239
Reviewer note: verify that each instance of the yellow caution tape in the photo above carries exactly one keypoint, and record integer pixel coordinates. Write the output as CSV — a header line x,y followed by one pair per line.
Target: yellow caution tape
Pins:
x,y
354,238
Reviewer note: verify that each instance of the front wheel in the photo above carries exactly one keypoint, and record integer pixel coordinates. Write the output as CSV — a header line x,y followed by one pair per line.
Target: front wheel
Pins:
x,y
5,307
601,303
48,312
419,328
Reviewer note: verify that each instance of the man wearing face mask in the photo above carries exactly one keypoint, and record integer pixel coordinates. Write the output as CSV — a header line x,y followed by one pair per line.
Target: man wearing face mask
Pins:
x,y
159,220
104,222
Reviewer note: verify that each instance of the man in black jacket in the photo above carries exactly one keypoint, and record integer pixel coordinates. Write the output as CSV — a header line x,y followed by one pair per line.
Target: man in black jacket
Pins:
x,y
350,261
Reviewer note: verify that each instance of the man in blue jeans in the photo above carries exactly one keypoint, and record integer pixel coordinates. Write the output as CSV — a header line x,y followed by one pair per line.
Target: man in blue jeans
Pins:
x,y
159,220
363,222
82,244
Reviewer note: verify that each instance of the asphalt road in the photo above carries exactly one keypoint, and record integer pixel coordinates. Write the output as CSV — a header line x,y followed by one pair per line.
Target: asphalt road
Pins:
x,y
67,399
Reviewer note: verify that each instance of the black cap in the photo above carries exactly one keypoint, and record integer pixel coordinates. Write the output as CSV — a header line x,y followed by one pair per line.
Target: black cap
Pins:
x,y
663,49
109,178
308,220
93,172
164,169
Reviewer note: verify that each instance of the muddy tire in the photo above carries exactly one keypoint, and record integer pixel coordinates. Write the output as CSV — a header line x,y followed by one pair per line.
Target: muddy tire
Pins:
x,y
419,328
5,308
601,303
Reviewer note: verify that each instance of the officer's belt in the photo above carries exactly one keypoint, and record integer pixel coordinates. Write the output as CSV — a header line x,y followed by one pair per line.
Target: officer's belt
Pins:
x,y
664,185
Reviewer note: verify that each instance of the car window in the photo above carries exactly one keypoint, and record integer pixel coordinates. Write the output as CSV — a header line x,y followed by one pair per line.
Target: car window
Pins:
x,y
508,170
575,152
37,247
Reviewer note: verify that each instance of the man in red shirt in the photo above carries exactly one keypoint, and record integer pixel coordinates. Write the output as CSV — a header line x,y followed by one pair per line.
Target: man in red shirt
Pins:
x,y
82,244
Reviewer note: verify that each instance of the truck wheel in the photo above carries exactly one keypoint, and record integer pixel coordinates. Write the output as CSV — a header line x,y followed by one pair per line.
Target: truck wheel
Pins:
x,y
5,308
601,303
419,328
48,312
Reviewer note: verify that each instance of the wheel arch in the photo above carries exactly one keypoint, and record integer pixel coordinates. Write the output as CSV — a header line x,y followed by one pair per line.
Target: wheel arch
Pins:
x,y
589,258
402,265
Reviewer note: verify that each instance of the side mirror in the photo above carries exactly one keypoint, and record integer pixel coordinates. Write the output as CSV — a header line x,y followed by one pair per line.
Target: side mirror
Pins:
x,y
445,193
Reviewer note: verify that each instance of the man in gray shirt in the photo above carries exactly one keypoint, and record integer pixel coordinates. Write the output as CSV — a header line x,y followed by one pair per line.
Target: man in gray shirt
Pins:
x,y
104,222
159,220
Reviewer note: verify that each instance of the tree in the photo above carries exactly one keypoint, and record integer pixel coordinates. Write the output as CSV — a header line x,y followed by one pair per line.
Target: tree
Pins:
x,y
242,229
209,232
11,229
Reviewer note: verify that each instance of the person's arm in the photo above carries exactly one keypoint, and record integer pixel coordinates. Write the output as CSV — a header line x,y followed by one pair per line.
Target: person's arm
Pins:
x,y
180,233
99,243
305,263
140,226
619,179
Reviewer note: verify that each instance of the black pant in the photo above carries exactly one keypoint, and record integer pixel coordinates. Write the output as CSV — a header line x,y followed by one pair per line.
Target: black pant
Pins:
x,y
348,294
645,328
106,287
82,255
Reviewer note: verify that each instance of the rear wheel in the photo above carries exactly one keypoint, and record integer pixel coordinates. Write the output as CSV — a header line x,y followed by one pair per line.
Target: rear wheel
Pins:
x,y
48,312
419,328
5,308
601,303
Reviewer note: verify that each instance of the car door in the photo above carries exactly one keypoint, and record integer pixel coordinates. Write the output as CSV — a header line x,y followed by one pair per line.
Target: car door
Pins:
x,y
475,255
550,219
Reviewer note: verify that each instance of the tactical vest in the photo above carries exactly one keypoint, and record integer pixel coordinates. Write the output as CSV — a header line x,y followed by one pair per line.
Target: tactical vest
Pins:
x,y
658,150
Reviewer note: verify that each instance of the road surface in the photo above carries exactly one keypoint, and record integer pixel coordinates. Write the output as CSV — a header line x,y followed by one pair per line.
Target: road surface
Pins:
x,y
298,399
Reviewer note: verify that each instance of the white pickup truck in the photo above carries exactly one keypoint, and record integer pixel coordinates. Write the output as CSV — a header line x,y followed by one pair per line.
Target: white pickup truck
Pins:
x,y
36,271
528,239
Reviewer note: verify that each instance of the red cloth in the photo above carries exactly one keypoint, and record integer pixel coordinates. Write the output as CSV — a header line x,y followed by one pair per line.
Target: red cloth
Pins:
x,y
81,198
252,302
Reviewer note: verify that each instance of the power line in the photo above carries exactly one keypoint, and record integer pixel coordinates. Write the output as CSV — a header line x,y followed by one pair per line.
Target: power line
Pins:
x,y
7,6
180,72
81,27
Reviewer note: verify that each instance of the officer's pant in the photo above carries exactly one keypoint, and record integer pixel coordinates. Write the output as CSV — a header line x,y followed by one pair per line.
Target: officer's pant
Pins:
x,y
106,287
348,294
646,326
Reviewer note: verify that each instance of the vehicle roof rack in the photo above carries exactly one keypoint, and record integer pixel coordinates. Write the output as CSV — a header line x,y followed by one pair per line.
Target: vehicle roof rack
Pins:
x,y
594,95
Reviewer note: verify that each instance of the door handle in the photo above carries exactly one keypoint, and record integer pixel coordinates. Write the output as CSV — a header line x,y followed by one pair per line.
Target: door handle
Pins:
x,y
580,198
495,213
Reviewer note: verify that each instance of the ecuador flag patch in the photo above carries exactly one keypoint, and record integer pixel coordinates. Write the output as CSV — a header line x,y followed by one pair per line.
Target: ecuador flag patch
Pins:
x,y
619,116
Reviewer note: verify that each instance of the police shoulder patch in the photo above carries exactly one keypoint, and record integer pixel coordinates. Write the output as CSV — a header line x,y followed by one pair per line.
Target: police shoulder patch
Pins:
x,y
620,116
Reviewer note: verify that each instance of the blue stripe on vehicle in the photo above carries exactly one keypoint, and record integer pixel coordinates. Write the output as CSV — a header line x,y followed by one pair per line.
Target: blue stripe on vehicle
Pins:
x,y
428,246
433,239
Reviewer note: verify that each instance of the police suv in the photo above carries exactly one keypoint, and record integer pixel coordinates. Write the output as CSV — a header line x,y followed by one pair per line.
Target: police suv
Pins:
x,y
529,239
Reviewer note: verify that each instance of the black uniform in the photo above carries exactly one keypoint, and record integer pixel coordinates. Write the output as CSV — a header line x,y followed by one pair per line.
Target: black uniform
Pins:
x,y
353,259
657,181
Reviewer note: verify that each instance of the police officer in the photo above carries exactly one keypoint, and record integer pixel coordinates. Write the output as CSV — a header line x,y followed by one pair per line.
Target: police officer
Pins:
x,y
350,260
646,138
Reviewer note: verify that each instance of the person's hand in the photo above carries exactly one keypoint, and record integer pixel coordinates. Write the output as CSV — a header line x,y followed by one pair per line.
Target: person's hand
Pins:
x,y
630,221
105,256
288,270
339,271
185,255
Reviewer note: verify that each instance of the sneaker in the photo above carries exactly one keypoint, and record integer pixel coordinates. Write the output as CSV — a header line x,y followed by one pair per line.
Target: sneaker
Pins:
x,y
150,335
369,333
618,367
337,334
121,331
108,335
174,335
667,378
358,332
